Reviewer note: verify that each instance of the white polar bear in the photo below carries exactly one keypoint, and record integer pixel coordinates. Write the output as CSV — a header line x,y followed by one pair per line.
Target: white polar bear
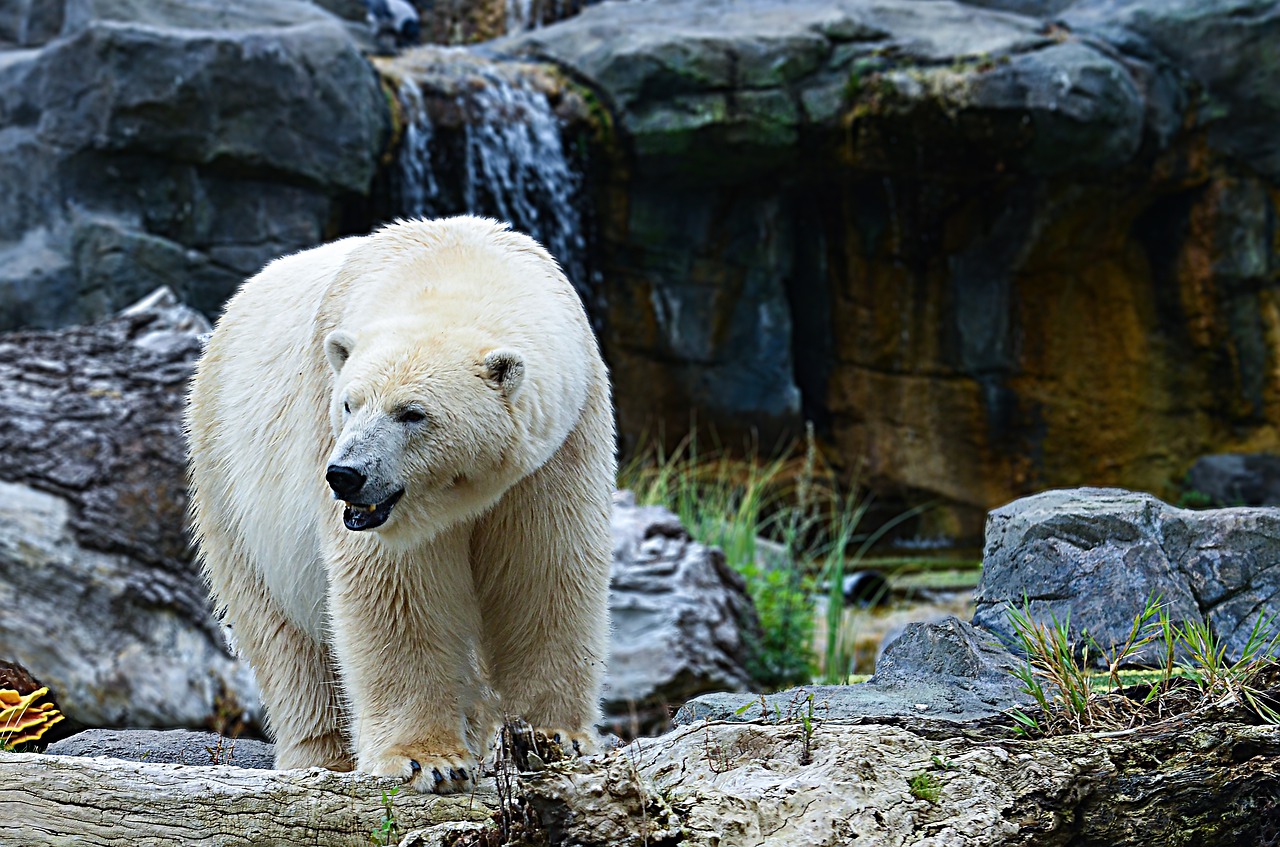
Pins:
x,y
441,378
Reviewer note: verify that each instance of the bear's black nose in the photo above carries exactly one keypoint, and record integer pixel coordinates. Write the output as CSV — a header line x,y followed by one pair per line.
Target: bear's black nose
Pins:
x,y
345,482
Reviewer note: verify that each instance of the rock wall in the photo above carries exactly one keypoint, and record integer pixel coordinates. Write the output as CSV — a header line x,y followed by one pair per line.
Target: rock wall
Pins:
x,y
182,144
988,248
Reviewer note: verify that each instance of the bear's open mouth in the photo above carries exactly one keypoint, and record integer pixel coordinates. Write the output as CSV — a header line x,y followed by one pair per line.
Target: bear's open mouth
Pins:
x,y
357,517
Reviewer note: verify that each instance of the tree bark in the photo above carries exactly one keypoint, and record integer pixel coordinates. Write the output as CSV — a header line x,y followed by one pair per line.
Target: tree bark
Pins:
x,y
100,802
1182,782
1188,781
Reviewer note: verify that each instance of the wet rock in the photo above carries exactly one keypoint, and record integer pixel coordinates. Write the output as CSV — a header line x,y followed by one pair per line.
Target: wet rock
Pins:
x,y
682,620
176,746
231,133
1228,48
1234,479
947,671
1095,556
27,23
928,226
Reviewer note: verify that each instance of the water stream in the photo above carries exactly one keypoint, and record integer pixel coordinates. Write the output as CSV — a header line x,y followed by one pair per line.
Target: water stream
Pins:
x,y
481,137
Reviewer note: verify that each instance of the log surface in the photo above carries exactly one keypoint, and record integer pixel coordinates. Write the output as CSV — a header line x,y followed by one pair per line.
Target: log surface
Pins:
x,y
101,802
721,784
1183,782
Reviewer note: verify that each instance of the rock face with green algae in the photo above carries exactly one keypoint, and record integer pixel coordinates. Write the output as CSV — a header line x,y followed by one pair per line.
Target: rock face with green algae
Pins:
x,y
987,248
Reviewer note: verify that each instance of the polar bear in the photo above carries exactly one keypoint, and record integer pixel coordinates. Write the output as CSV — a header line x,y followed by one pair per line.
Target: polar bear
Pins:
x,y
402,464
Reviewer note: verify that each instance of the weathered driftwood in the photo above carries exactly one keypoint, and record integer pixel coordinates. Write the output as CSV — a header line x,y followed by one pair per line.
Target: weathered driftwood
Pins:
x,y
64,800
1188,781
746,784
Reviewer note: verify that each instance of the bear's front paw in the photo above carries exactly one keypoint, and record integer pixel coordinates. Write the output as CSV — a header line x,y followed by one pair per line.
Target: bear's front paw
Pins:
x,y
426,770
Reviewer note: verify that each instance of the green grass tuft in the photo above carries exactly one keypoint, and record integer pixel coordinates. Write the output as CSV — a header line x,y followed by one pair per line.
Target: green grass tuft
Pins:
x,y
793,500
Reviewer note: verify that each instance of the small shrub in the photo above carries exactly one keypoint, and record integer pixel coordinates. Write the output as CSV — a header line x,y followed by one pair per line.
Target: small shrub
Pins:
x,y
794,500
387,831
925,786
1072,699
729,503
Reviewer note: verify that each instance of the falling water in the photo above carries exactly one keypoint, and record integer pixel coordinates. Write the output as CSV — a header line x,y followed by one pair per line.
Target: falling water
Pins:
x,y
417,181
481,137
524,15
520,16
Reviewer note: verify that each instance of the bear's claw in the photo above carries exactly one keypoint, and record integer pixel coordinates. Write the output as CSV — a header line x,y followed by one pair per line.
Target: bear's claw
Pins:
x,y
439,774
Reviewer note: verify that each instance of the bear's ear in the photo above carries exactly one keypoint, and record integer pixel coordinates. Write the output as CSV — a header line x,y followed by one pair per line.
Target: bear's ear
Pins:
x,y
337,349
505,369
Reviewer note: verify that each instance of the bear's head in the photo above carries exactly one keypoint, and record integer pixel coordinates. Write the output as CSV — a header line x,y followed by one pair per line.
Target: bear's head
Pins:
x,y
424,427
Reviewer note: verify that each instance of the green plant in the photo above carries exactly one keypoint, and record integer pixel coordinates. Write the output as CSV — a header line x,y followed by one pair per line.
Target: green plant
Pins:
x,y
728,503
1051,675
925,786
792,499
1221,680
807,721
1072,699
388,831
1193,499
1140,635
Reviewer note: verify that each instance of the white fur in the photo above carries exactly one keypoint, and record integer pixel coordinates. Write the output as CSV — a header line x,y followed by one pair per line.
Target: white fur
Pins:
x,y
491,573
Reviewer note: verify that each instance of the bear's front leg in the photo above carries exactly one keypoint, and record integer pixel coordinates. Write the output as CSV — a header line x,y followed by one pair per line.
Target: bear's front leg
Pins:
x,y
541,559
405,624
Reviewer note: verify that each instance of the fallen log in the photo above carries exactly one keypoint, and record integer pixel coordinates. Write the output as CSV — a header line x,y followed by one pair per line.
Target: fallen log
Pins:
x,y
101,802
1182,782
1207,780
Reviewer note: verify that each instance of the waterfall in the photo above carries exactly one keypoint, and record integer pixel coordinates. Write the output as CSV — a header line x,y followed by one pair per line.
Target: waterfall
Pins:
x,y
520,16
481,137
417,181
523,15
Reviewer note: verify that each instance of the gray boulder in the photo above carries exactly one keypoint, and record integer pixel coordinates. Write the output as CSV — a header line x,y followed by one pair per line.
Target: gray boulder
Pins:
x,y
230,133
1096,555
946,671
1235,479
682,621
175,746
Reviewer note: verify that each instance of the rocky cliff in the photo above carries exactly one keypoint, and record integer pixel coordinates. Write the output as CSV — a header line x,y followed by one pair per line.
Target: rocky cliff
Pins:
x,y
988,248
182,144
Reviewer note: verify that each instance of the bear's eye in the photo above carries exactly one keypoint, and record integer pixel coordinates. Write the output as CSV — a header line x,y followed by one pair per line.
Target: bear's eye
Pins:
x,y
411,415
346,407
